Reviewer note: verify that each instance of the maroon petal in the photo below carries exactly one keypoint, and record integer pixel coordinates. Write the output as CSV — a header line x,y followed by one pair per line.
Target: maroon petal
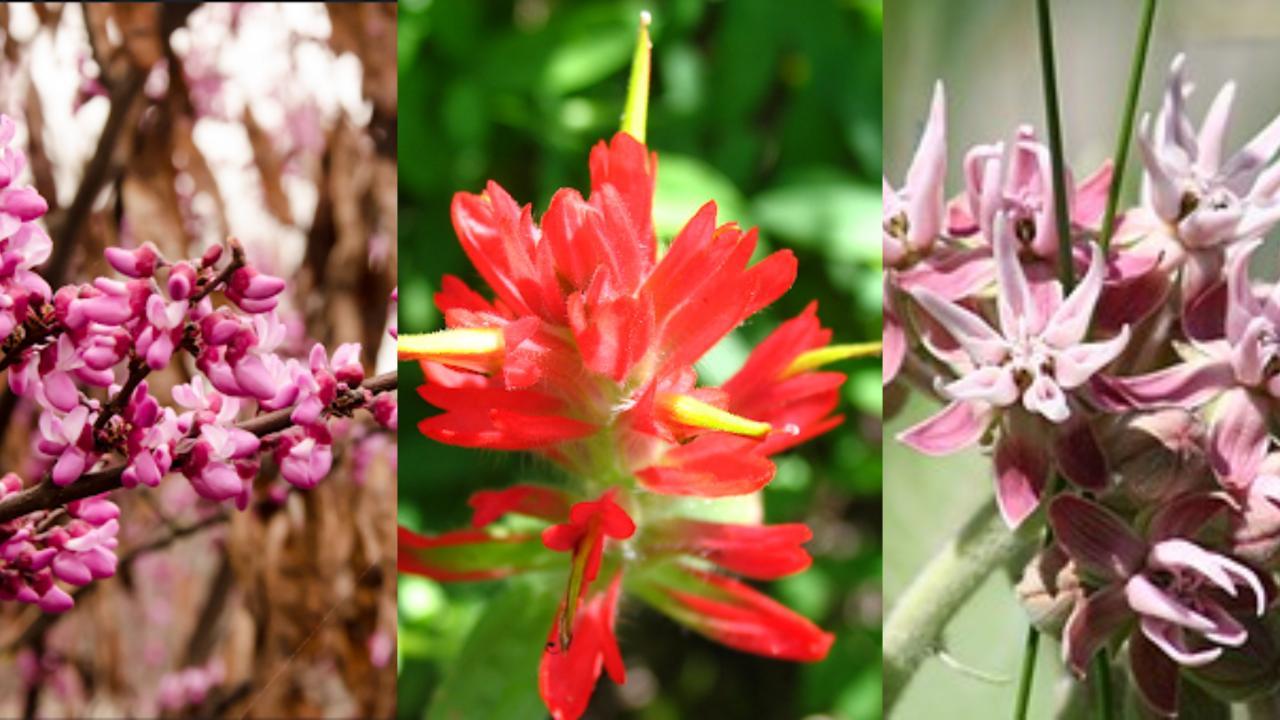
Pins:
x,y
1185,516
1022,471
1093,622
1101,544
1155,675
1078,456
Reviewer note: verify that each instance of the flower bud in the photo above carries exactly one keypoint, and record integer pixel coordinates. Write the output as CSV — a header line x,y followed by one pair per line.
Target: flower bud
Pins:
x,y
1049,590
137,263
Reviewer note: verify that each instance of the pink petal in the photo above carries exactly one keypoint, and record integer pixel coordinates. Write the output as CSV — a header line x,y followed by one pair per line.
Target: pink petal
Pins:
x,y
894,347
1213,130
1074,365
1070,322
1014,301
1022,469
1171,640
993,384
1187,385
979,340
925,178
956,427
1238,437
1149,600
1044,397
1091,196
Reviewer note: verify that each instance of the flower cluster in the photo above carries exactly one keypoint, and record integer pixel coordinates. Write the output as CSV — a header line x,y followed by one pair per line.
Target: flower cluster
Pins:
x,y
189,687
1148,386
83,354
585,357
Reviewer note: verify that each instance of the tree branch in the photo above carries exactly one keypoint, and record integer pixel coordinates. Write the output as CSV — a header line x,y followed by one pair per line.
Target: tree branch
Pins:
x,y
47,496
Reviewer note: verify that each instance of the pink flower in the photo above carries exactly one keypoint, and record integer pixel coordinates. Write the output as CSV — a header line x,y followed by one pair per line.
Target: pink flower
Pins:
x,y
137,263
1237,371
1026,369
306,459
210,466
913,214
1186,599
69,439
158,338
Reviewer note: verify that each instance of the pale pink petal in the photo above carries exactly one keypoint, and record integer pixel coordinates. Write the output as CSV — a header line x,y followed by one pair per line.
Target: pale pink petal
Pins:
x,y
894,347
1014,300
993,384
1242,305
979,340
1171,639
1070,322
1162,191
955,427
1044,396
1238,437
1213,130
1077,363
925,177
1242,168
1149,600
954,275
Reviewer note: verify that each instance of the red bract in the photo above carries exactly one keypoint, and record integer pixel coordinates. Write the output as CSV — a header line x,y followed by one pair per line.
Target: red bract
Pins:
x,y
586,356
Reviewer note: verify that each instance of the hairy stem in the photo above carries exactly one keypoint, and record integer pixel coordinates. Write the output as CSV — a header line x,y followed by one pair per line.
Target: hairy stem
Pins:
x,y
913,630
1126,123
47,496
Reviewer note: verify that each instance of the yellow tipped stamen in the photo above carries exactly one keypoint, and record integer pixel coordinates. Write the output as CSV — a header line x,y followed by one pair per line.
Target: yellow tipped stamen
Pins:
x,y
636,111
816,358
695,413
466,345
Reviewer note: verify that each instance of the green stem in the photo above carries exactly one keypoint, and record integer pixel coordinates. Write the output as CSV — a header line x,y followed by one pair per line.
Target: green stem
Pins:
x,y
1102,683
1126,123
1066,266
913,629
1027,676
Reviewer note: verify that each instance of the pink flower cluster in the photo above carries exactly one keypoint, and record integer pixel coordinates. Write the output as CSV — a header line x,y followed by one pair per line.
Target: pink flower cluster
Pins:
x,y
189,687
1148,386
83,354
36,551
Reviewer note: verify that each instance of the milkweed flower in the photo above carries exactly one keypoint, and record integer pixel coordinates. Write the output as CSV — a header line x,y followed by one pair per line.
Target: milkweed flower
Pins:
x,y
585,357
1187,600
1021,377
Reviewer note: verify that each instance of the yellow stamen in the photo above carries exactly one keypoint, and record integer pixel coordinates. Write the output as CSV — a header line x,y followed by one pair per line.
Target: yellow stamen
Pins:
x,y
693,412
465,345
816,358
636,111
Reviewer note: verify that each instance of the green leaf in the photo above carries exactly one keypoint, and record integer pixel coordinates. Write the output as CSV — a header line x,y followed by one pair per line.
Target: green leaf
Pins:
x,y
824,210
496,674
686,184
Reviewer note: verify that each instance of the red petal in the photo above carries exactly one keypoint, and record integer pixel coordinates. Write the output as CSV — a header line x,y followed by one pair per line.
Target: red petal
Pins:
x,y
567,678
771,358
739,616
761,552
530,500
627,166
612,336
715,465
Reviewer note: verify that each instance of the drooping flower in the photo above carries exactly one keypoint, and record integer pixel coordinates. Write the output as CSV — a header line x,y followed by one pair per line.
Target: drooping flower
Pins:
x,y
1187,600
1022,376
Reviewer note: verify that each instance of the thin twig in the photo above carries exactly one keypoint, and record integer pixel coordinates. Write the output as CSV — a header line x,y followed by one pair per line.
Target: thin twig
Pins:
x,y
46,495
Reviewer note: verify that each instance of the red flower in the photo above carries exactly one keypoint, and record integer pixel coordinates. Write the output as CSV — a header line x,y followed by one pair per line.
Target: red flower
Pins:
x,y
585,356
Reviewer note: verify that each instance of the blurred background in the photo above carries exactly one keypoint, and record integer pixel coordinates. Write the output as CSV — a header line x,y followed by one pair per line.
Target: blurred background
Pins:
x,y
985,52
776,114
181,126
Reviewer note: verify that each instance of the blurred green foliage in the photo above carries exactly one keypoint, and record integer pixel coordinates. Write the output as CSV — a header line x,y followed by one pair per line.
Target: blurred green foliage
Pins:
x,y
771,109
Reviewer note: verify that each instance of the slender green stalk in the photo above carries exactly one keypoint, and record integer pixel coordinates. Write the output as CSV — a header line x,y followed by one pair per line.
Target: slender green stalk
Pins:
x,y
1066,266
1027,676
1126,123
913,629
1102,684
